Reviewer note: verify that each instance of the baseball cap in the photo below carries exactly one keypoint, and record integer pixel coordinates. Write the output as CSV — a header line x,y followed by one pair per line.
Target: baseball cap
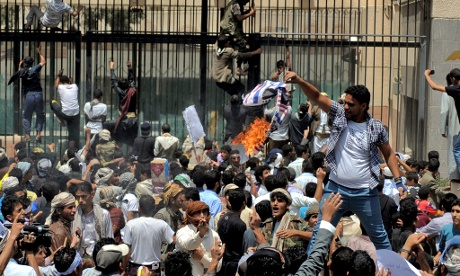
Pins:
x,y
111,254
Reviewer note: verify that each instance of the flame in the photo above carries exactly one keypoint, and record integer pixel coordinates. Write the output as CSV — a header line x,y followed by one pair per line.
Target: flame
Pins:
x,y
253,136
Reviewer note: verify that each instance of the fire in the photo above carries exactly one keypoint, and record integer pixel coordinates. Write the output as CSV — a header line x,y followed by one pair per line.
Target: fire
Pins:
x,y
253,136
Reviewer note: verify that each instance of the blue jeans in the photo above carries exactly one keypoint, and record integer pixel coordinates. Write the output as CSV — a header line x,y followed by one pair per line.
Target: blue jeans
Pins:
x,y
457,152
33,102
365,204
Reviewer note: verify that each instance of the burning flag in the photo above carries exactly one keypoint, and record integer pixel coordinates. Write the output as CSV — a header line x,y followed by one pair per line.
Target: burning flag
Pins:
x,y
254,136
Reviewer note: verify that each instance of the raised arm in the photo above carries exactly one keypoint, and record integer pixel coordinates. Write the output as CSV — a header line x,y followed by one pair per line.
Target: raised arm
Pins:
x,y
42,58
79,9
309,90
58,78
130,74
241,17
432,84
288,58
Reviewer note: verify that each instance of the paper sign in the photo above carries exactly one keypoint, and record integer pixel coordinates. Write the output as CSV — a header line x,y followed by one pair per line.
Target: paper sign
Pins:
x,y
397,265
194,127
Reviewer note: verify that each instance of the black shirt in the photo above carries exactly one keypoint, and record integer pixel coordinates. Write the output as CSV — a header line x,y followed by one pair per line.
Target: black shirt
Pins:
x,y
231,231
454,92
31,79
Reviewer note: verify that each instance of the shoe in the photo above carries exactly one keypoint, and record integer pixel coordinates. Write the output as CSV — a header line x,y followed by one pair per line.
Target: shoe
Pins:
x,y
55,29
39,139
245,66
26,27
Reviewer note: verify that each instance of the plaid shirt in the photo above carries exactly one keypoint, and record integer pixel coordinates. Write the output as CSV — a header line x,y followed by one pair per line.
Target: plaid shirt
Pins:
x,y
377,135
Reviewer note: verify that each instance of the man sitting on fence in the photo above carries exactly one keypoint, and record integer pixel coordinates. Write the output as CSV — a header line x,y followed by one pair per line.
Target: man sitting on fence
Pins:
x,y
52,16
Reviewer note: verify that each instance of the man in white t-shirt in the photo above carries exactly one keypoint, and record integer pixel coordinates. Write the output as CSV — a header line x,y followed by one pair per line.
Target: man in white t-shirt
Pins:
x,y
353,157
144,236
68,112
96,112
53,14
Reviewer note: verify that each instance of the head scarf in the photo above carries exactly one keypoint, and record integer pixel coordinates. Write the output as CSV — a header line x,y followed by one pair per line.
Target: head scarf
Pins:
x,y
193,208
104,135
276,163
59,201
312,210
103,175
43,166
76,263
286,193
451,256
9,183
170,191
24,167
108,198
128,181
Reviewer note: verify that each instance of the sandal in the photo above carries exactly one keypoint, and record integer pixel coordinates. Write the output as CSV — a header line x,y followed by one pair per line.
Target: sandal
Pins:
x,y
39,139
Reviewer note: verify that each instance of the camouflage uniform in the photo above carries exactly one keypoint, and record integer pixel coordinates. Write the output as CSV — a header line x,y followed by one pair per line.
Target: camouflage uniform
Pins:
x,y
105,152
296,223
173,219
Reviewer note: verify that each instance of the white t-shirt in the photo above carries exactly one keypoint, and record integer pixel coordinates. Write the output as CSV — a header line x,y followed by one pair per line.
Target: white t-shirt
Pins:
x,y
54,11
13,268
352,155
130,203
94,114
145,235
69,99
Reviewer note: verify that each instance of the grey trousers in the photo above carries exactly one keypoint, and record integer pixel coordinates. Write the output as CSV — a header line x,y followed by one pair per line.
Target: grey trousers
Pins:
x,y
34,11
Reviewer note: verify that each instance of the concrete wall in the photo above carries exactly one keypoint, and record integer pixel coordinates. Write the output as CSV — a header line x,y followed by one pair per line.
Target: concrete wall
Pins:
x,y
443,40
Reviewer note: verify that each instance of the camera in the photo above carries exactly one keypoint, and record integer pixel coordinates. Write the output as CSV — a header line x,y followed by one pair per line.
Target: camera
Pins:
x,y
42,236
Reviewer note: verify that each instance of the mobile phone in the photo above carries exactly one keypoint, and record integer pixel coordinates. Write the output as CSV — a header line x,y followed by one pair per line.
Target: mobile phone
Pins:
x,y
432,72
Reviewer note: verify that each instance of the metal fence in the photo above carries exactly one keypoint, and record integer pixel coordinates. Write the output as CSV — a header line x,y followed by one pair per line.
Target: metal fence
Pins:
x,y
334,44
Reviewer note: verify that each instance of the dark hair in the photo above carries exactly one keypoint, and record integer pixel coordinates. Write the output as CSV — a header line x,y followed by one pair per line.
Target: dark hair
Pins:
x,y
264,209
341,261
248,197
198,178
98,93
286,149
310,189
8,204
226,148
307,166
421,165
424,192
16,172
63,258
222,41
212,179
278,196
74,165
360,93
280,63
455,73
166,128
184,161
412,176
64,79
83,186
433,154
456,203
446,201
147,205
300,149
227,177
362,264
270,183
178,263
264,266
408,211
21,154
433,164
284,172
411,162
147,171
259,171
97,247
252,163
296,255
302,110
240,180
236,199
234,100
50,189
191,193
317,160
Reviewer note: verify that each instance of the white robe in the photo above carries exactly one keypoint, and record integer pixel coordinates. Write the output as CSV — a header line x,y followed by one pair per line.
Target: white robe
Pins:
x,y
450,127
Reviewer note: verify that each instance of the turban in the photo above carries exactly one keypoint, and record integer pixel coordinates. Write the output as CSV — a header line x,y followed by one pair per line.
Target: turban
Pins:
x,y
312,211
104,135
103,175
108,197
59,201
184,179
128,181
24,167
170,191
9,183
43,166
193,208
284,192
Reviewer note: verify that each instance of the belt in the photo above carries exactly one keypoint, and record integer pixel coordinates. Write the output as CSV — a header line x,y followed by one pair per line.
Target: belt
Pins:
x,y
149,265
322,135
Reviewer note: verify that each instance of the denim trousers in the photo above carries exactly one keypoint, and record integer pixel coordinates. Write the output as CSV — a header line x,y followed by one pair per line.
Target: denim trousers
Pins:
x,y
365,204
457,152
33,102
